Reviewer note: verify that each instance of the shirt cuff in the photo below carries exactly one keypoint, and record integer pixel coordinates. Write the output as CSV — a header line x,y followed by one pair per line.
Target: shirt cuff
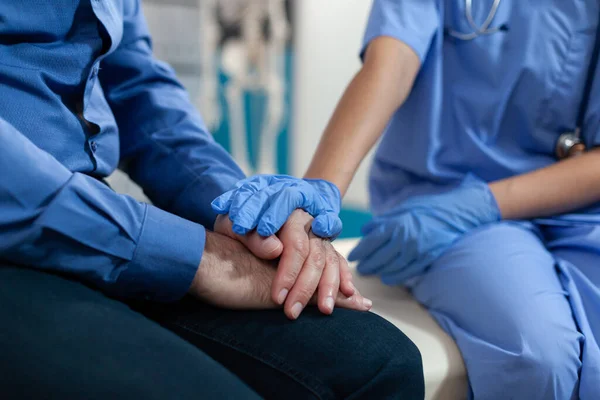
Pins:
x,y
167,256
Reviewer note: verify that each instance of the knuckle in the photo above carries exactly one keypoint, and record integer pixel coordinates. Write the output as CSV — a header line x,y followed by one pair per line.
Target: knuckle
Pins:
x,y
223,225
301,215
332,259
299,212
288,278
345,266
327,288
345,270
305,293
317,258
347,277
301,246
294,215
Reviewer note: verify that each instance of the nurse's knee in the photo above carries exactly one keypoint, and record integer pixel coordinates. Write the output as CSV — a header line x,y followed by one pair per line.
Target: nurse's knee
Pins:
x,y
550,361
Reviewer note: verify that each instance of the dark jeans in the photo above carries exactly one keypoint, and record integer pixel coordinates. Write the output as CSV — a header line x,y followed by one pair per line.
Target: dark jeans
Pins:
x,y
62,340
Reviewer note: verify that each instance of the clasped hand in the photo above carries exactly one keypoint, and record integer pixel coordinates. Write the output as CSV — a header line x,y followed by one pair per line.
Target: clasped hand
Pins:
x,y
293,269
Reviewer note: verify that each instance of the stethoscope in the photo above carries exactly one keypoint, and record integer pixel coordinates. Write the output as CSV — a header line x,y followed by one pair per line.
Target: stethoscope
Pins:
x,y
569,143
484,29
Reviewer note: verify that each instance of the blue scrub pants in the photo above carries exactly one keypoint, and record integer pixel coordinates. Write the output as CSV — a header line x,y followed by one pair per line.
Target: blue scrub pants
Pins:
x,y
522,301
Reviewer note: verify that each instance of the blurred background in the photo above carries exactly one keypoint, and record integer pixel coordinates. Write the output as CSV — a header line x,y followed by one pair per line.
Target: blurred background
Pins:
x,y
266,76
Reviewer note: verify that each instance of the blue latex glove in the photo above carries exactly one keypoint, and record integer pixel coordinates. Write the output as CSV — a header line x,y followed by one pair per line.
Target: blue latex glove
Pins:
x,y
403,242
265,202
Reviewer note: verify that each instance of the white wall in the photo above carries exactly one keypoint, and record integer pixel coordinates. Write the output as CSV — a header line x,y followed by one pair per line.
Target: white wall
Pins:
x,y
328,38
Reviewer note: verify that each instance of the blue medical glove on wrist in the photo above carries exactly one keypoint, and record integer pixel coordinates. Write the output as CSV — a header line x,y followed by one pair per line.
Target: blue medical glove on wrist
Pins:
x,y
265,202
403,242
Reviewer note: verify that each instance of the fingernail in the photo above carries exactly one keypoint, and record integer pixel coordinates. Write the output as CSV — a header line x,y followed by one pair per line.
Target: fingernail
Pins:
x,y
282,295
329,303
367,303
271,245
296,310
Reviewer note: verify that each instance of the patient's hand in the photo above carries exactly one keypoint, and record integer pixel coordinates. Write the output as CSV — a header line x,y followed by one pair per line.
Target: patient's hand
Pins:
x,y
309,267
229,276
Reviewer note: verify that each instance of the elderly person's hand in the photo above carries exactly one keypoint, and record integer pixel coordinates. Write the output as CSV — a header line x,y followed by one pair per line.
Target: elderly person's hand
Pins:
x,y
309,267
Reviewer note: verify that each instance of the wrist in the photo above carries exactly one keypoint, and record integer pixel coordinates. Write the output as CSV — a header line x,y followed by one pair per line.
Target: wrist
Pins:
x,y
202,277
329,189
340,182
485,199
499,193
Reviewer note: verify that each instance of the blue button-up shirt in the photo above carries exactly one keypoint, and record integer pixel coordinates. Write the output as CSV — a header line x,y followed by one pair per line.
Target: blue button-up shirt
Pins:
x,y
80,93
493,106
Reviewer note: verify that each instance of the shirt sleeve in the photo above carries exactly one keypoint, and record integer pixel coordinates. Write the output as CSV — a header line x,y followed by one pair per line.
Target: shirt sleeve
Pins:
x,y
59,221
413,22
165,146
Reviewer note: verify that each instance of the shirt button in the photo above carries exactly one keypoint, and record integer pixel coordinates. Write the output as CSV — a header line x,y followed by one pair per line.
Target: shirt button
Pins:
x,y
93,146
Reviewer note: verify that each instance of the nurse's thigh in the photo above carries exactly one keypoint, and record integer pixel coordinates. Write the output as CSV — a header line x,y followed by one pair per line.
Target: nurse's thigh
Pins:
x,y
577,250
497,293
579,245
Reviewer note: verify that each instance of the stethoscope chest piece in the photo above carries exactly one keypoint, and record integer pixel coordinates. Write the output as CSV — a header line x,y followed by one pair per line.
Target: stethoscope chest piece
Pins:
x,y
569,144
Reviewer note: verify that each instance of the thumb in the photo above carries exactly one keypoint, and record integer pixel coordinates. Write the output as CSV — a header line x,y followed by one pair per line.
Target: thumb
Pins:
x,y
266,248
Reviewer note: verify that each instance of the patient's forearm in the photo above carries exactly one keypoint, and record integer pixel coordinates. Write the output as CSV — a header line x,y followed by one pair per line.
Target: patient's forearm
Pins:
x,y
370,100
559,188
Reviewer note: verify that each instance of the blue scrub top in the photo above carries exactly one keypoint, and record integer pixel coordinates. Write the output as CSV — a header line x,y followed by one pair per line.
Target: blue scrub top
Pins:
x,y
493,106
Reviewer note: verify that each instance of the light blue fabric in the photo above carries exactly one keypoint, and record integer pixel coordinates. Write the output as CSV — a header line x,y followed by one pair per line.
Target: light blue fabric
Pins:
x,y
494,106
401,243
79,93
520,299
265,202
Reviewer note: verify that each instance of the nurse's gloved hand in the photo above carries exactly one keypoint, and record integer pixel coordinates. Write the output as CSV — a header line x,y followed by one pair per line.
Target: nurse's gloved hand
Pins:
x,y
403,242
265,202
